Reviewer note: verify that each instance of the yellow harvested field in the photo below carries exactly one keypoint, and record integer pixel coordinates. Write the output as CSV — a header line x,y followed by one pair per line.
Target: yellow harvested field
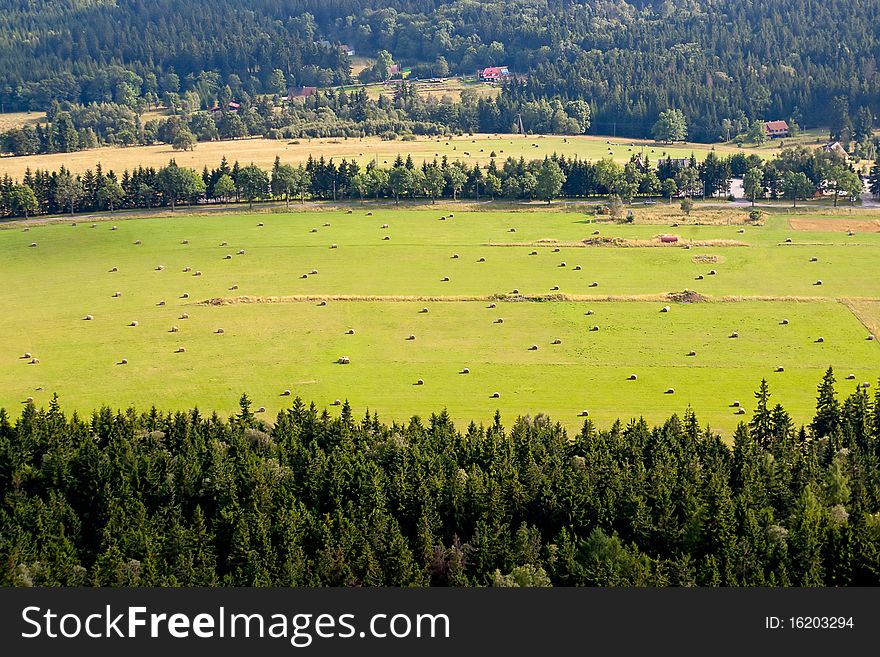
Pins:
x,y
472,149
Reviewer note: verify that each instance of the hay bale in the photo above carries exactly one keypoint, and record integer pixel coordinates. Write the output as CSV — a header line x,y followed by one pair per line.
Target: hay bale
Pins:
x,y
420,382
261,409
410,337
285,393
228,256
595,328
814,259
735,334
556,249
160,267
184,241
369,214
181,350
555,288
337,402
534,347
820,339
870,336
670,391
455,256
29,400
161,302
34,361
788,240
735,404
137,242
114,228
322,303
334,246
27,354
224,243
451,215
184,316
495,395
313,230
851,233
557,341
187,270
594,284
233,287
595,232
219,331
481,260
665,309
424,310
699,277
173,329
780,369
865,384
386,238
117,294
113,270
784,322
133,323
465,370
197,273
500,320
562,264
124,361
589,312
818,282
741,230
583,413
349,211
350,332
88,318
304,276
343,360
93,226
712,272
491,305
515,290
260,225
633,377
577,268
692,353
740,411
531,253
384,225
313,272
511,230
185,295
850,377
445,279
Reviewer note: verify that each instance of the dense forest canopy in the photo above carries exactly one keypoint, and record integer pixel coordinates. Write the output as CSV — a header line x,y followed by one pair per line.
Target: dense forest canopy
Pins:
x,y
733,60
187,499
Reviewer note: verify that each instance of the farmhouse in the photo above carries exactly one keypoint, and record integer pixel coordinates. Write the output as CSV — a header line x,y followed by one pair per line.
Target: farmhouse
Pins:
x,y
774,129
232,106
494,74
346,49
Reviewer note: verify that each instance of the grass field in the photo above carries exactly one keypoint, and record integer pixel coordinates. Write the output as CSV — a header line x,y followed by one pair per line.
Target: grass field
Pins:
x,y
278,336
263,151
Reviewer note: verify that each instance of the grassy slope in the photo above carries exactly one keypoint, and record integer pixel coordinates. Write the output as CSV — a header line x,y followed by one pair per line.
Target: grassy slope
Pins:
x,y
263,151
267,348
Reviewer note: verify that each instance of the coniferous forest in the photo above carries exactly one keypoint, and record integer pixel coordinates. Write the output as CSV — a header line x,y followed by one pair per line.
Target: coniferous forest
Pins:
x,y
724,64
190,499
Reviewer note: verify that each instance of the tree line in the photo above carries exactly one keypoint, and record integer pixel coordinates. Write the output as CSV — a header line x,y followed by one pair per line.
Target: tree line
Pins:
x,y
131,498
724,67
797,173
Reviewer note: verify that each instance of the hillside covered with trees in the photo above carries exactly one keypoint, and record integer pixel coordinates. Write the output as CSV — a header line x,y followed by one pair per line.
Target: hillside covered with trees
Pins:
x,y
723,64
187,499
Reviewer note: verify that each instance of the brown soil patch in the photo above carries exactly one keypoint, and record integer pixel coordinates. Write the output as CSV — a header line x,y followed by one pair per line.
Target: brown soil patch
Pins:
x,y
685,296
836,225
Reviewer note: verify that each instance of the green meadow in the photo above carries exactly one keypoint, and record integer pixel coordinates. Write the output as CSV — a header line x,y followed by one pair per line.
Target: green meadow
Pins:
x,y
283,331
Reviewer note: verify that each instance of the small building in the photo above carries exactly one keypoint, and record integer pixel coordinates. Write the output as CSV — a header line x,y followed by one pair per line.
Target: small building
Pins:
x,y
775,129
301,92
346,49
232,107
835,148
494,73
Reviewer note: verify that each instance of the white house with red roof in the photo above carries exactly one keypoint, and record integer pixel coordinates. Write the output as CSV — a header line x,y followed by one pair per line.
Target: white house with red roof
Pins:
x,y
494,73
774,129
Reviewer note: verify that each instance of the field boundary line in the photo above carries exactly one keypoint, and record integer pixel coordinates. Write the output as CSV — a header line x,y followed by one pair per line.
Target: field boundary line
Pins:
x,y
869,325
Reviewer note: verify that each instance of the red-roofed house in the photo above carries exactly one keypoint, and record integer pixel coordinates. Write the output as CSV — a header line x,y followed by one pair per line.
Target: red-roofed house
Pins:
x,y
774,129
302,92
232,107
494,73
